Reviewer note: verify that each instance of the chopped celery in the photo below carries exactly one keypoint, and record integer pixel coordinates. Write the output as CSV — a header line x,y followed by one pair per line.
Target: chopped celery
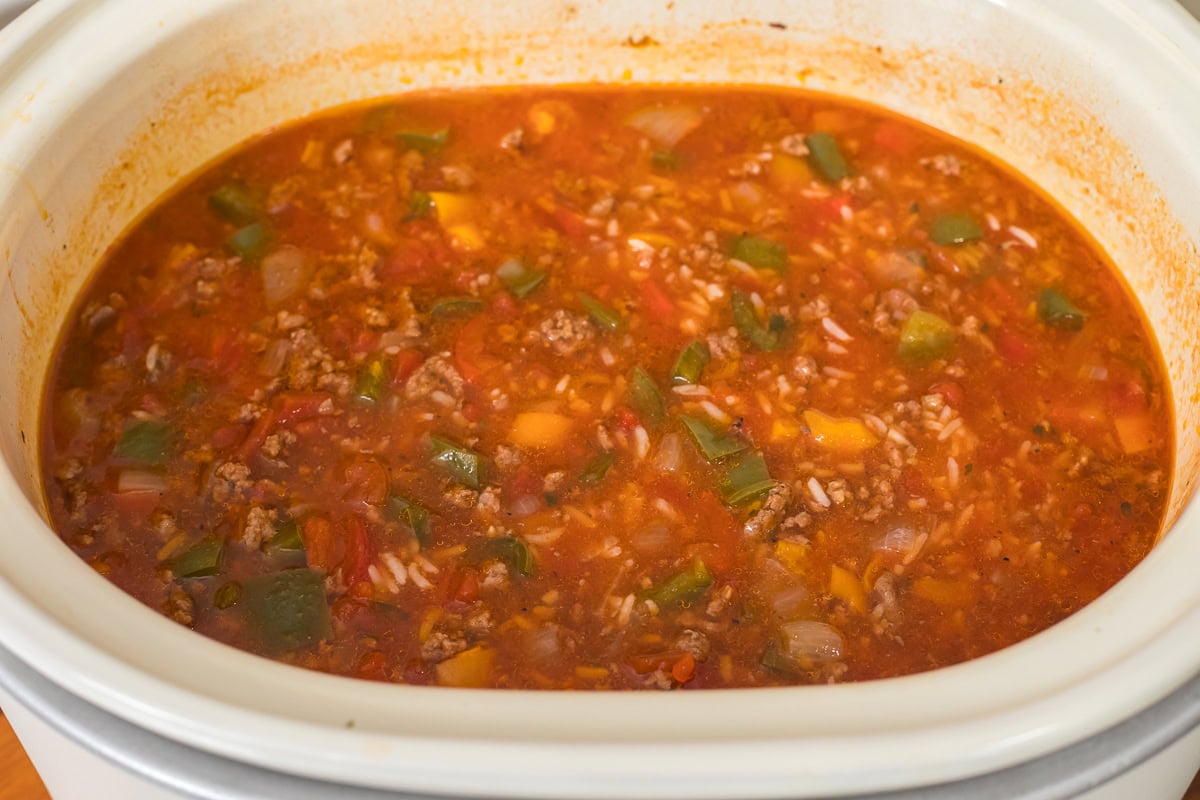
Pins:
x,y
955,229
233,202
746,478
691,363
604,316
445,306
759,253
462,464
287,610
518,278
713,445
147,442
681,588
826,157
200,560
414,516
925,337
1056,310
250,243
745,319
228,595
597,468
371,385
645,398
425,143
508,549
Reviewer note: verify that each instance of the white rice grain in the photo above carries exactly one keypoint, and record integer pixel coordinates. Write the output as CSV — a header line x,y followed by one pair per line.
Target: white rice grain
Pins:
x,y
818,493
1023,236
641,441
716,413
835,330
948,431
419,580
396,568
692,390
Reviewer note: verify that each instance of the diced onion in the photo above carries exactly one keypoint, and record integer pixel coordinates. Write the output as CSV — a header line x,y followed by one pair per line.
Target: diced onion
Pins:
x,y
543,643
806,641
787,602
666,126
900,539
525,505
892,269
274,358
747,195
130,481
651,539
284,273
669,453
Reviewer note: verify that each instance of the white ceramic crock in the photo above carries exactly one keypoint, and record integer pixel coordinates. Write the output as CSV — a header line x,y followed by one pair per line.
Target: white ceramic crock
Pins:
x,y
103,105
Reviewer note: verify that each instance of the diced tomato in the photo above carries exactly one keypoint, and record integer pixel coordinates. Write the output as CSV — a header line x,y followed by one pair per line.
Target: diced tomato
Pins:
x,y
950,391
228,435
655,302
258,433
365,342
1012,347
894,138
470,350
525,481
684,668
504,306
472,411
851,280
405,363
1127,397
317,534
996,296
832,208
914,482
570,223
463,586
1033,490
625,418
294,407
645,664
227,353
366,481
718,534
358,550
414,258
135,505
372,666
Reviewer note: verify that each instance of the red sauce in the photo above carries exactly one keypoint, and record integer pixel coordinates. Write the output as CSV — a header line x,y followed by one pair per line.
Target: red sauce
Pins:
x,y
608,389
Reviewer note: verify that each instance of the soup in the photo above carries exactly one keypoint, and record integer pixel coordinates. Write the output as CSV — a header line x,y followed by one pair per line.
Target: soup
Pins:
x,y
608,389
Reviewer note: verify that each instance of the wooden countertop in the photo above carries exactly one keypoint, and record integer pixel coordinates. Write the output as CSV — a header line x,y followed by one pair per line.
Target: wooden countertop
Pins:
x,y
19,781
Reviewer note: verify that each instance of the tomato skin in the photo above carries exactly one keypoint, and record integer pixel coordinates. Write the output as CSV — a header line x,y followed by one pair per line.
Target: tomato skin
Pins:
x,y
951,392
405,363
317,534
470,350
1015,350
656,302
358,557
366,481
